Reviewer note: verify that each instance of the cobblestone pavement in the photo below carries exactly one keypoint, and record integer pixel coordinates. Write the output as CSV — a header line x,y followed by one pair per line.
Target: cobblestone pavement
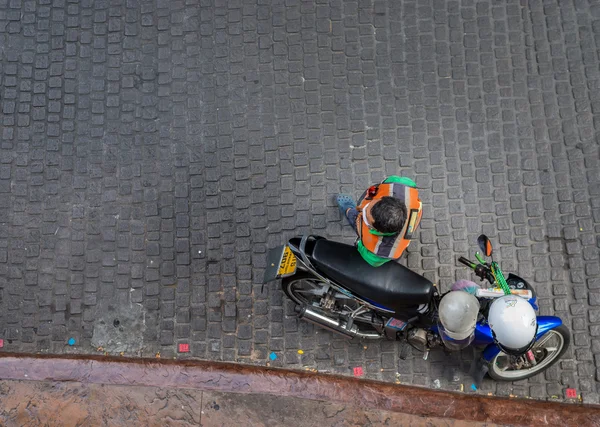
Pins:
x,y
153,151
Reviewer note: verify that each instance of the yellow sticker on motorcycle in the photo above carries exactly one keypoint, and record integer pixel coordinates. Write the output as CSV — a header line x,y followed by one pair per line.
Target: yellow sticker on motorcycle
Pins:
x,y
287,266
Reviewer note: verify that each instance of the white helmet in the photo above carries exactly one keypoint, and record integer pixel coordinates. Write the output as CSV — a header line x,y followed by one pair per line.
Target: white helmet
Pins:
x,y
458,312
513,323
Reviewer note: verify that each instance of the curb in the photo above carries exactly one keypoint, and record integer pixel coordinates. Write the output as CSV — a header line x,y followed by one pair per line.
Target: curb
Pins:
x,y
237,378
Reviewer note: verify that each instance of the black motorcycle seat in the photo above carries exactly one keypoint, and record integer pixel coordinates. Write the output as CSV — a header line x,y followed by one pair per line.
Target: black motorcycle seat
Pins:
x,y
391,285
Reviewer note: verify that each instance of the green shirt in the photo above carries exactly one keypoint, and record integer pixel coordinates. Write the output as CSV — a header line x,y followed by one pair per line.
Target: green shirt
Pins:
x,y
370,257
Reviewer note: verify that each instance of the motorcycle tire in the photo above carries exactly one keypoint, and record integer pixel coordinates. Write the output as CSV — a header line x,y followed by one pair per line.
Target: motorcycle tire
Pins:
x,y
285,284
500,375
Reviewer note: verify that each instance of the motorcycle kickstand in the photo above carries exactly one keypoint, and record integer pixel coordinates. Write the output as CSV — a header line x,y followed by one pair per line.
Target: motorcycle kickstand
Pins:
x,y
404,349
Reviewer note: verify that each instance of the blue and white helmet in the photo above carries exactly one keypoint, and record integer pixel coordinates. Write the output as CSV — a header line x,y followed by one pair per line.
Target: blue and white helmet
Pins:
x,y
513,323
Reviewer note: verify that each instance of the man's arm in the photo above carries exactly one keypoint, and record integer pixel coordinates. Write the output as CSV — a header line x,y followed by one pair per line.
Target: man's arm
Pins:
x,y
352,215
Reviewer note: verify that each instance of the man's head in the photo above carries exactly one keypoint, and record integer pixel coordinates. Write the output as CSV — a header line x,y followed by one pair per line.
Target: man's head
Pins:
x,y
387,215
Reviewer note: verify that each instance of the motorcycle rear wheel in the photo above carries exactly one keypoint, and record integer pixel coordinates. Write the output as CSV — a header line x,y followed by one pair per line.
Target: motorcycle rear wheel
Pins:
x,y
291,287
559,340
306,290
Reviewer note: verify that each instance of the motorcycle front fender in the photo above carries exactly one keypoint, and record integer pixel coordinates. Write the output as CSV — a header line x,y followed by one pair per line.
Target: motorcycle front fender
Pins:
x,y
545,323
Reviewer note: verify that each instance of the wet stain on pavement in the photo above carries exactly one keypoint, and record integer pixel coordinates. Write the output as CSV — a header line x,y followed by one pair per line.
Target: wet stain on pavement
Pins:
x,y
119,328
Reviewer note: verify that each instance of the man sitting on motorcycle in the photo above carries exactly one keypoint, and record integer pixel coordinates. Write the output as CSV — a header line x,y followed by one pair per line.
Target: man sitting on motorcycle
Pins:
x,y
385,219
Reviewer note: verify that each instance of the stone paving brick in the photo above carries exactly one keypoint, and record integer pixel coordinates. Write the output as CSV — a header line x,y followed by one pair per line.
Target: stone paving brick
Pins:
x,y
151,152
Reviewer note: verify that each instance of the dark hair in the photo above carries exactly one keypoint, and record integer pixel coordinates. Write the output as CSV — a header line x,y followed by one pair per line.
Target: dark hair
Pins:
x,y
389,215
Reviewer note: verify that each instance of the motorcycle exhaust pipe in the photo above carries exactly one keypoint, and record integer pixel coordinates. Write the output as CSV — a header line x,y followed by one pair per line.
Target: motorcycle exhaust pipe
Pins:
x,y
337,326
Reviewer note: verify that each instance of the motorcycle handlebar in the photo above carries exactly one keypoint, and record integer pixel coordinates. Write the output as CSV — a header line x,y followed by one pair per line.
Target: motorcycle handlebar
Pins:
x,y
480,270
466,262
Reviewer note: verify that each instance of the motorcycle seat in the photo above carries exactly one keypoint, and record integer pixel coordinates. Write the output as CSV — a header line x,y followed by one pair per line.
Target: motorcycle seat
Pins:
x,y
391,285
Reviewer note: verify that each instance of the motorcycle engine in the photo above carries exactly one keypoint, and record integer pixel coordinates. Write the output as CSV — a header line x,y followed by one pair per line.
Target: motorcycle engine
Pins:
x,y
418,338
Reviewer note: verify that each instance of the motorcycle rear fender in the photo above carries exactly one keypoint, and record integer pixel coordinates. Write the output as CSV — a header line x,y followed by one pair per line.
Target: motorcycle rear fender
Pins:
x,y
545,324
301,259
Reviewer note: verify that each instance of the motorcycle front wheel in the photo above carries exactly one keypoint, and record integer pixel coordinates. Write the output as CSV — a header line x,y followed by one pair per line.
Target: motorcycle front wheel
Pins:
x,y
547,351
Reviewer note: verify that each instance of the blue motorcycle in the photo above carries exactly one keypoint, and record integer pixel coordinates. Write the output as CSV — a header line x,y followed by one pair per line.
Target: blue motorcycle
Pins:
x,y
334,288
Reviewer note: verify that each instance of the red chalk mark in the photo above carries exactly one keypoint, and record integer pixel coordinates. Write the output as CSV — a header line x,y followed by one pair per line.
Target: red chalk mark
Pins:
x,y
184,348
358,371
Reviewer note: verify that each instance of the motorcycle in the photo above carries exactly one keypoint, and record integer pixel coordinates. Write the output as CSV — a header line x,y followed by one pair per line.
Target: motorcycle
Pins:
x,y
334,288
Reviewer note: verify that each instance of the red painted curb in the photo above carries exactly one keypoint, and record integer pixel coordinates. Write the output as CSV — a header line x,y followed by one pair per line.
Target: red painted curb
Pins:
x,y
228,377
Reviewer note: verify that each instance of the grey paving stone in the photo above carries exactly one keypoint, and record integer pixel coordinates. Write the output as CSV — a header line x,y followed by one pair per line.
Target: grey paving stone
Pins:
x,y
151,152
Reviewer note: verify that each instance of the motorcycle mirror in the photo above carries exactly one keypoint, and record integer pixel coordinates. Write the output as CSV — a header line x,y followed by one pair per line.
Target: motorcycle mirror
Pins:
x,y
485,245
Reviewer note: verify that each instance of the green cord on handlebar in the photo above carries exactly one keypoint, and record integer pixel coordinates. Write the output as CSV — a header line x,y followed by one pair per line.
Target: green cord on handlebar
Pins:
x,y
479,258
496,272
500,278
